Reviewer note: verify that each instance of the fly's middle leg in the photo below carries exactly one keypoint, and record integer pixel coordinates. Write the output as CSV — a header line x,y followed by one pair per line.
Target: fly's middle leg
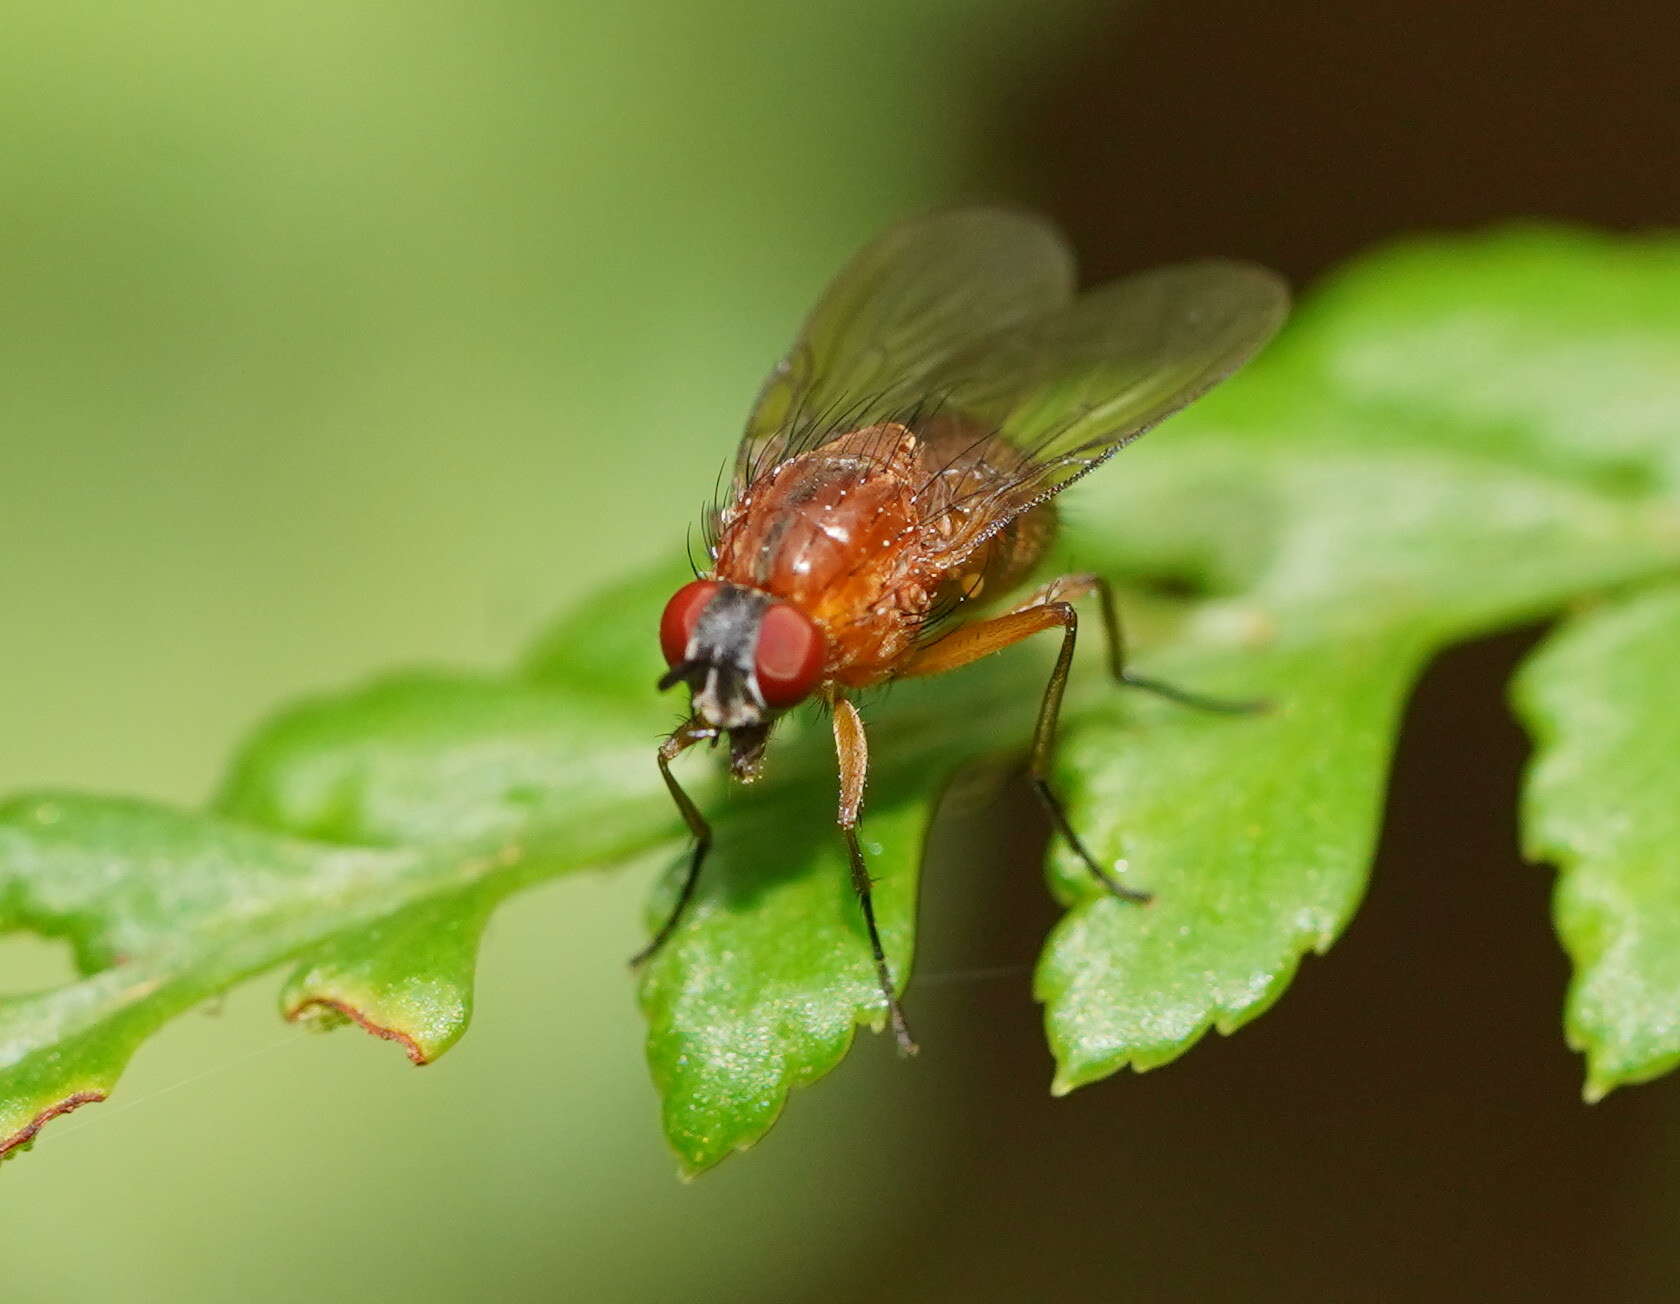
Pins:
x,y
852,748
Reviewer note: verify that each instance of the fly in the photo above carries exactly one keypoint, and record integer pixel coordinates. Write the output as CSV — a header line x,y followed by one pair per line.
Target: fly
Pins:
x,y
900,467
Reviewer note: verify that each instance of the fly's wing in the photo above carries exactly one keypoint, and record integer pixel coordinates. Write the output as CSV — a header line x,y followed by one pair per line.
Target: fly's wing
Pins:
x,y
1064,393
910,303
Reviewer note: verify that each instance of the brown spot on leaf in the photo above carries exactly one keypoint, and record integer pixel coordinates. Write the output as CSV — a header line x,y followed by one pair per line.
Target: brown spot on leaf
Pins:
x,y
24,1135
410,1047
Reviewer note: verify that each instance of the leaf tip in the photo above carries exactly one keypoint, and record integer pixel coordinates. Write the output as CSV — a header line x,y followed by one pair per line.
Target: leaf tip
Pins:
x,y
1072,1074
698,1156
689,1171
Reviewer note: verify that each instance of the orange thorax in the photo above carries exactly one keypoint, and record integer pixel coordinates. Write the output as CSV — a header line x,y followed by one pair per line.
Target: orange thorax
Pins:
x,y
836,532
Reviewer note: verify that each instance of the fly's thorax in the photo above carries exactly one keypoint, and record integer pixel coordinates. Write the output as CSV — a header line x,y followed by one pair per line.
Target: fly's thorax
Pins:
x,y
834,531
873,532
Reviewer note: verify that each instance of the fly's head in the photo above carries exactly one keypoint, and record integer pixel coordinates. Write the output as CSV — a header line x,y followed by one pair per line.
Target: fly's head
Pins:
x,y
745,656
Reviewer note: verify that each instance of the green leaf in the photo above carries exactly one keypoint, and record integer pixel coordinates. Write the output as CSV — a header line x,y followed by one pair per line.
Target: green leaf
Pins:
x,y
367,837
1542,345
433,758
163,909
1457,436
1444,444
762,987
763,984
1256,835
407,978
548,778
1602,801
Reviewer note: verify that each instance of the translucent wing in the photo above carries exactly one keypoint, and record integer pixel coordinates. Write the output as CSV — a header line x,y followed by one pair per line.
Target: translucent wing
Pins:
x,y
1061,394
904,308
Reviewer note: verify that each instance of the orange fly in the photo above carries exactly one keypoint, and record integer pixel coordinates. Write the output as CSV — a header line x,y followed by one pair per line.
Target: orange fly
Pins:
x,y
900,466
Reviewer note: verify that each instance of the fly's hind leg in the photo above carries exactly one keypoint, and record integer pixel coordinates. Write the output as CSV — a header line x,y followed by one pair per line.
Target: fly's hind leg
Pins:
x,y
972,642
1070,588
852,748
1048,608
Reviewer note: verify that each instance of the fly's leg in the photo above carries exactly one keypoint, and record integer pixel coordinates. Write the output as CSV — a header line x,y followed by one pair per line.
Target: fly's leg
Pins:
x,y
692,732
975,641
1044,735
1070,588
852,748
1050,607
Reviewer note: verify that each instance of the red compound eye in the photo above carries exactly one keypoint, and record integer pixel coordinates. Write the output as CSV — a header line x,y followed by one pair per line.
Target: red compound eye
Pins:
x,y
682,612
789,657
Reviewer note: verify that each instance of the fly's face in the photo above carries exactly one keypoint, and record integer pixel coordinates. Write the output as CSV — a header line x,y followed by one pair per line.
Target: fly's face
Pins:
x,y
744,654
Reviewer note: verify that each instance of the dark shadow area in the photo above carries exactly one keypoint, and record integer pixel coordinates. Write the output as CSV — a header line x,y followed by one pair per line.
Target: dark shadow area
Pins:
x,y
1300,133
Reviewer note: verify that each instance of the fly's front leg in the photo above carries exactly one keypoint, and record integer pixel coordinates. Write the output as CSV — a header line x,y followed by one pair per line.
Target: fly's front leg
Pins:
x,y
694,731
1070,588
852,748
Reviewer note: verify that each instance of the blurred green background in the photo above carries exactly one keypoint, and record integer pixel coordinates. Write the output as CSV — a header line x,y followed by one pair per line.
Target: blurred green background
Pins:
x,y
339,336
